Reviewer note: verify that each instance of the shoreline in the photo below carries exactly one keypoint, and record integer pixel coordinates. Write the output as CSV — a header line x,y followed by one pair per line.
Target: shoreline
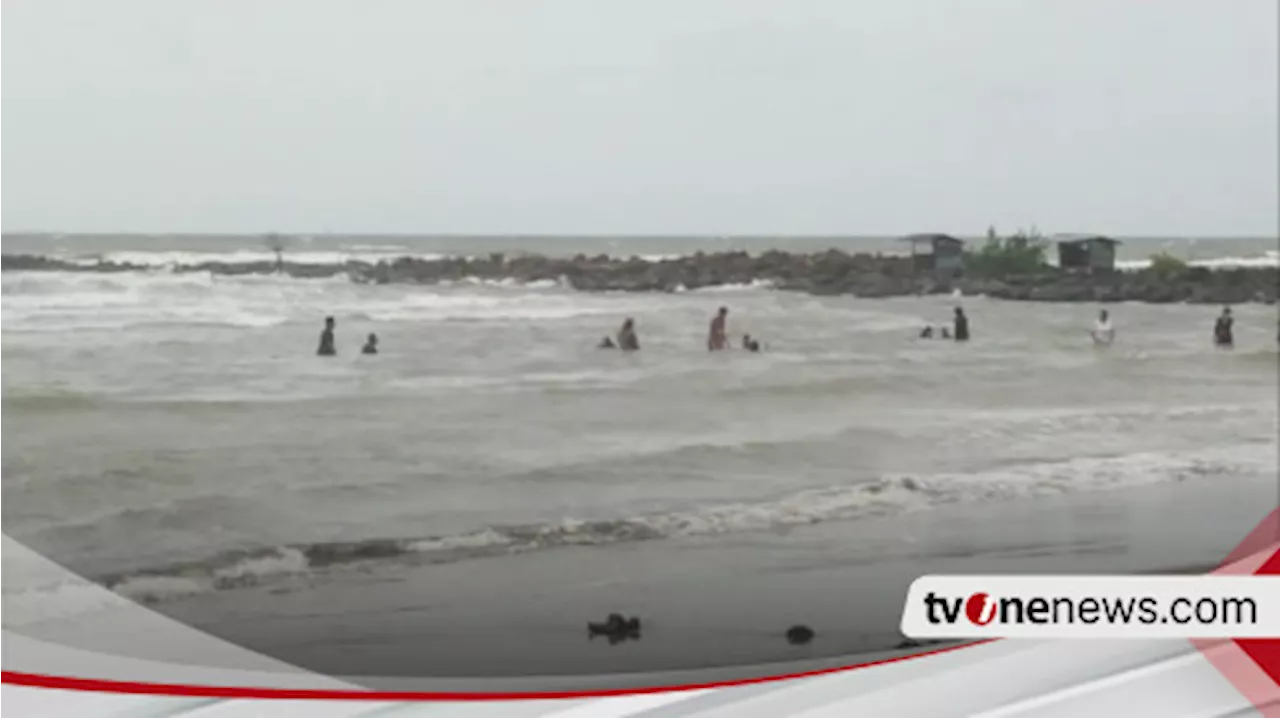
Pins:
x,y
821,274
710,604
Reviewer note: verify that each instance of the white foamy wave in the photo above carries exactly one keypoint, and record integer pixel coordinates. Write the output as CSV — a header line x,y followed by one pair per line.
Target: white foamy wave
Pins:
x,y
155,589
479,539
357,253
1268,259
44,302
250,571
431,306
504,283
886,496
68,301
745,286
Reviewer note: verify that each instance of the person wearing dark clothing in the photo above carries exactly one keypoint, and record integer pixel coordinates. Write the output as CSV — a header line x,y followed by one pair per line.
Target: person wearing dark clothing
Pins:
x,y
370,345
326,339
750,344
926,333
1222,330
717,338
627,339
961,332
606,343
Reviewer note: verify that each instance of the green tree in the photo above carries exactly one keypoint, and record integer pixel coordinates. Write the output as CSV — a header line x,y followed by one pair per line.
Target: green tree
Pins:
x,y
1021,253
1166,266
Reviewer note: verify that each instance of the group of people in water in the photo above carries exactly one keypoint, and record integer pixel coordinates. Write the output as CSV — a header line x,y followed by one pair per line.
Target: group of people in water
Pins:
x,y
328,348
959,331
717,336
1103,333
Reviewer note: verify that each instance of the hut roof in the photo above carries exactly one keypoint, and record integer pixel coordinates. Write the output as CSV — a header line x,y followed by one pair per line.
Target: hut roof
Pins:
x,y
930,237
1083,239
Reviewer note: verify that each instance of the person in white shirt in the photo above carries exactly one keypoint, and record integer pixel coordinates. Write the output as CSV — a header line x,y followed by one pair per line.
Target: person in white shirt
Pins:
x,y
1103,332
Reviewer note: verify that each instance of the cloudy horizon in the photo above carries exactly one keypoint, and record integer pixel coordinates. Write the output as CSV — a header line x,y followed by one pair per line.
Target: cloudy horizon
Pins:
x,y
700,117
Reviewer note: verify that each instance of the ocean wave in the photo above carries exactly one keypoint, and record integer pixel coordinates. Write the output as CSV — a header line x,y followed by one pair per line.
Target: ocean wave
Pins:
x,y
742,287
886,496
354,253
43,302
1269,258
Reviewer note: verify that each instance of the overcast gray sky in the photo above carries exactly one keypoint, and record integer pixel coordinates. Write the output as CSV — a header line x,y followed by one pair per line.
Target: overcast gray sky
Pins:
x,y
644,116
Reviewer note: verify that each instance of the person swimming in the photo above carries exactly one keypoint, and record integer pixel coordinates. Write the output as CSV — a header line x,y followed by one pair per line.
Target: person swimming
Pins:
x,y
1103,332
1223,336
716,339
326,348
627,339
961,333
370,345
750,344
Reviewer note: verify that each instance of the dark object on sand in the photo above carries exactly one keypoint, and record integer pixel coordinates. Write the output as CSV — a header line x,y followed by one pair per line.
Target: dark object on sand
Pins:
x,y
799,635
616,628
606,343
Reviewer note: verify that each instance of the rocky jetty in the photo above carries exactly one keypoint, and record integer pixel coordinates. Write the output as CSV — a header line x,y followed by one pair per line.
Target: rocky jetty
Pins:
x,y
825,273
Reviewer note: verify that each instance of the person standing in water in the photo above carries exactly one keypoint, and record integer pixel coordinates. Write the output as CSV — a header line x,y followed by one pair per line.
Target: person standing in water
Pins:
x,y
1103,333
627,339
326,339
370,345
1223,336
961,331
716,339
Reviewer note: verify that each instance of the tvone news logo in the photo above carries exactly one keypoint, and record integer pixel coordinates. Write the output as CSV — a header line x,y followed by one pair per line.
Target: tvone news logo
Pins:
x,y
983,609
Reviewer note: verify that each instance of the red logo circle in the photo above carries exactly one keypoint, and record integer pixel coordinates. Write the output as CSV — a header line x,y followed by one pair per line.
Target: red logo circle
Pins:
x,y
980,609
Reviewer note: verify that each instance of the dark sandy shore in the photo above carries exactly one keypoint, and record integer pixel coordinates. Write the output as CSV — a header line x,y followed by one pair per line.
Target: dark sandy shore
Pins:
x,y
712,609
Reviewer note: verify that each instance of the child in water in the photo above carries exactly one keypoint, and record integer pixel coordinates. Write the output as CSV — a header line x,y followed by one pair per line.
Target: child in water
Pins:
x,y
370,345
1103,333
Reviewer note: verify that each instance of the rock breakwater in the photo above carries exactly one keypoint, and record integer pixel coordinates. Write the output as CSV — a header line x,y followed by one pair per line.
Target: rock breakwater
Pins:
x,y
824,273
